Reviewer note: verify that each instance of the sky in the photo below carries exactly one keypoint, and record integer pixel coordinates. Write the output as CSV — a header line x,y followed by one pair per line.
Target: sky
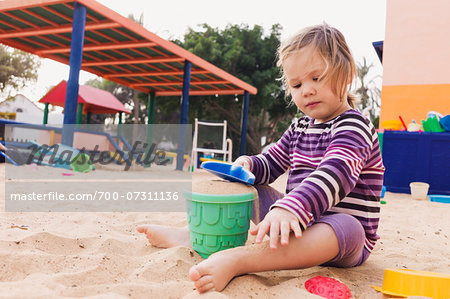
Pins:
x,y
361,21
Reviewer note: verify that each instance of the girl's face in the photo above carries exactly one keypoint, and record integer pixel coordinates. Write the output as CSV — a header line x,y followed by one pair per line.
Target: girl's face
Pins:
x,y
312,96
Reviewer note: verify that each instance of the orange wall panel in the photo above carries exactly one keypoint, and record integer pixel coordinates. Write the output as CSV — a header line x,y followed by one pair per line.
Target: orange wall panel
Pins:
x,y
414,101
416,59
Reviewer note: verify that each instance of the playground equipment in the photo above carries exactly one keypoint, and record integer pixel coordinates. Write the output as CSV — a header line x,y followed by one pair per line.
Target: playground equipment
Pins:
x,y
403,123
23,136
406,282
392,124
383,191
328,287
414,127
445,123
230,172
225,144
16,161
431,124
218,221
63,156
419,190
416,157
439,198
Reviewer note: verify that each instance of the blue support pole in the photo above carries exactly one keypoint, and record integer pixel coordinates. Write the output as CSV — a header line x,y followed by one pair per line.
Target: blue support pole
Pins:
x,y
150,122
76,56
119,126
184,114
185,97
244,123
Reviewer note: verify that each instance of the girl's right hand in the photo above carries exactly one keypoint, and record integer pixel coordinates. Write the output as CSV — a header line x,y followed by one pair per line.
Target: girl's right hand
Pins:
x,y
279,222
245,162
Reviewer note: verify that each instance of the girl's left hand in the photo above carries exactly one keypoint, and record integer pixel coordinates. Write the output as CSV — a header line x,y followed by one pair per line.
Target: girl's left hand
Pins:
x,y
245,162
278,220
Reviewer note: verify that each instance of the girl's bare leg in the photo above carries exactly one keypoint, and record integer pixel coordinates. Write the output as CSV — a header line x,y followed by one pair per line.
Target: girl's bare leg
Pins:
x,y
318,245
166,236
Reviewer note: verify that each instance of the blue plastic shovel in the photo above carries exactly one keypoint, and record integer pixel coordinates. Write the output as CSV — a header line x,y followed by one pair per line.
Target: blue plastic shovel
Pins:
x,y
230,172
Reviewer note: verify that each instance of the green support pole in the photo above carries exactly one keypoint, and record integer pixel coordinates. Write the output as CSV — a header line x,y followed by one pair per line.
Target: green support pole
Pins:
x,y
151,108
79,113
88,117
46,114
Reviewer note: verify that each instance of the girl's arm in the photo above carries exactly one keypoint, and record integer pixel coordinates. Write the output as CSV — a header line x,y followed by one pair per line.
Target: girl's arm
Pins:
x,y
269,166
337,174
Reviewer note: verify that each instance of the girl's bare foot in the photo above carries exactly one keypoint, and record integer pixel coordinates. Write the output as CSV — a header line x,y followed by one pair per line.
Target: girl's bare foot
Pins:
x,y
214,273
166,236
318,245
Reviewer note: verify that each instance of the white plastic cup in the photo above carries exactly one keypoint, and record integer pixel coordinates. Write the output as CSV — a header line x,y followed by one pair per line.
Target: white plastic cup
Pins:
x,y
419,190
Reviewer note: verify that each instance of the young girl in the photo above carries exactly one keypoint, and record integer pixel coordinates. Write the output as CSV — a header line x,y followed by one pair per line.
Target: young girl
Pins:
x,y
329,214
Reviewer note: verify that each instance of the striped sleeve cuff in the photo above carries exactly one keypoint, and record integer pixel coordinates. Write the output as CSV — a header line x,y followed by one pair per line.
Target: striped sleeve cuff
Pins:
x,y
260,169
304,217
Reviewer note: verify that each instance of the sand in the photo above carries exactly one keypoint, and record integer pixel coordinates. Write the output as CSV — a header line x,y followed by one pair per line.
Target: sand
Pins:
x,y
100,255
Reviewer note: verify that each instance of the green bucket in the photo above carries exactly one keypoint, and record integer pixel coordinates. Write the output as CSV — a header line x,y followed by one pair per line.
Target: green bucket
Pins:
x,y
218,222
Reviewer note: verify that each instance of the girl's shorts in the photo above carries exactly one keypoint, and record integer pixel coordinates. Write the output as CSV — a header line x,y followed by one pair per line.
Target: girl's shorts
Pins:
x,y
349,231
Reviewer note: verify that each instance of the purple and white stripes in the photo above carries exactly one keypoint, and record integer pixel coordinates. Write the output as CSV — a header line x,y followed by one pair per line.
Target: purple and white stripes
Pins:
x,y
334,167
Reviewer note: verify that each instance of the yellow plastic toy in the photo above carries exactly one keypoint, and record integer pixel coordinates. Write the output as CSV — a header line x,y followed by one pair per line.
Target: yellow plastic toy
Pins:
x,y
406,282
392,124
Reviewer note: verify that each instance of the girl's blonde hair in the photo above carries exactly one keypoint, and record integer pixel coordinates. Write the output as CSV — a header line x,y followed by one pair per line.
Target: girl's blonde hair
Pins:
x,y
331,45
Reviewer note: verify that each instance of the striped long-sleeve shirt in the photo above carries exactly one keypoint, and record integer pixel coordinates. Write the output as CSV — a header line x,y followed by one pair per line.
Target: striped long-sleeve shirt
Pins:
x,y
335,167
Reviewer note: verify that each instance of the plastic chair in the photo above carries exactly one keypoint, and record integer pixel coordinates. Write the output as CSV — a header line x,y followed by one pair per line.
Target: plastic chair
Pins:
x,y
225,148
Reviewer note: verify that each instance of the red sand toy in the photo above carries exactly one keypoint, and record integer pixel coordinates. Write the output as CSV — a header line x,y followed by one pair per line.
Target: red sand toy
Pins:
x,y
328,288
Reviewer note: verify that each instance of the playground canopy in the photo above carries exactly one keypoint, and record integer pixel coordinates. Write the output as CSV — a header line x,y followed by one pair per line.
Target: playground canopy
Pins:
x,y
87,35
115,48
94,100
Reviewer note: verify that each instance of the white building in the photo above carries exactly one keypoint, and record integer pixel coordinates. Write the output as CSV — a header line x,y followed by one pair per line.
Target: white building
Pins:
x,y
21,109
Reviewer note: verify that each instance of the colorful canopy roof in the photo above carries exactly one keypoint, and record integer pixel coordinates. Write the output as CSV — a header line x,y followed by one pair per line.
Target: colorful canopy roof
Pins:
x,y
115,48
94,100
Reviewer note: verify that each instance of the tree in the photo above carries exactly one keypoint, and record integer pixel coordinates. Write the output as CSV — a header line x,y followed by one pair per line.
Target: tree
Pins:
x,y
250,55
247,53
124,94
368,92
17,69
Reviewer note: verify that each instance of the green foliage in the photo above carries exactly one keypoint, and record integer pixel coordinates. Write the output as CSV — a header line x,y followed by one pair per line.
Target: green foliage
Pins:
x,y
250,55
245,52
368,92
17,68
124,94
